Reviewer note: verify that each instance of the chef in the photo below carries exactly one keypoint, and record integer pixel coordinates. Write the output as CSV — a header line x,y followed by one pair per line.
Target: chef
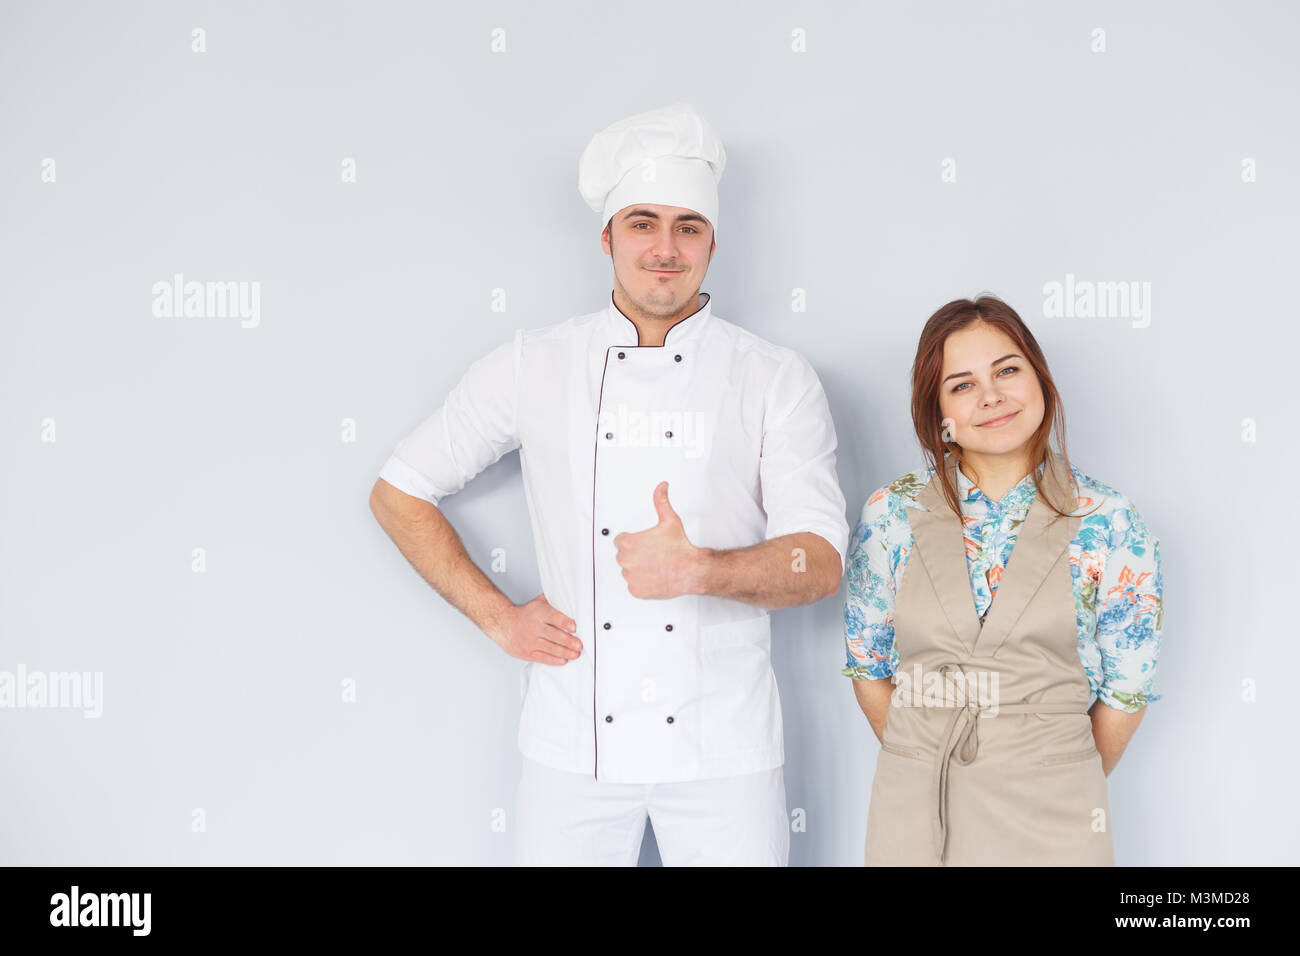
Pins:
x,y
680,477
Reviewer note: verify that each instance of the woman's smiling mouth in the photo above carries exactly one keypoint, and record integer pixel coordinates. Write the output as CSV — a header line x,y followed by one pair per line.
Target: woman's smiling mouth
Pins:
x,y
997,422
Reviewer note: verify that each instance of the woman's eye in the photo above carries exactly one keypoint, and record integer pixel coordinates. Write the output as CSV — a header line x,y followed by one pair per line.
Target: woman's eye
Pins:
x,y
959,387
1009,368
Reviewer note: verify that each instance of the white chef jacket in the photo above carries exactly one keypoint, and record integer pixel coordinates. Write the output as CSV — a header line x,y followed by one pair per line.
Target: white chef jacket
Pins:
x,y
664,690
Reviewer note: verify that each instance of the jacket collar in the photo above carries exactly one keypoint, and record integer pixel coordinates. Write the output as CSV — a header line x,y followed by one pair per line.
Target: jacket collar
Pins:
x,y
684,332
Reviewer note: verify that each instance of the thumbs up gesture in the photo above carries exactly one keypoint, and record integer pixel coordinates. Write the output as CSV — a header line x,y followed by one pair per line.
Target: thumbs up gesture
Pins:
x,y
660,562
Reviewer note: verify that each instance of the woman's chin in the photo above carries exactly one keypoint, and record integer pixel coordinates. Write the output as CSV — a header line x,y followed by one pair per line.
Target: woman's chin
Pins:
x,y
996,444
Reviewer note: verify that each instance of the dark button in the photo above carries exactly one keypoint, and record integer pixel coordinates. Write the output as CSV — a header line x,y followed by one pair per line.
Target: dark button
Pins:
x,y
677,358
668,434
604,531
607,625
609,719
670,720
609,434
622,355
668,627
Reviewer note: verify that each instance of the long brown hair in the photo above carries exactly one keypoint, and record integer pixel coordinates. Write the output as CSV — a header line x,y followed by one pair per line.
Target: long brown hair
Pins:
x,y
928,367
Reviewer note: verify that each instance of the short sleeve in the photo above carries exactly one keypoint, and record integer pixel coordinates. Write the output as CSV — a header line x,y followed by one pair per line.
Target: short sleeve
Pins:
x,y
475,426
869,594
801,491
1129,613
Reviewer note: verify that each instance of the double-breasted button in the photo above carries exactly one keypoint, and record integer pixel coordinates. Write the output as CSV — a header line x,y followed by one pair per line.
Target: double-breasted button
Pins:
x,y
609,719
668,627
668,434
622,355
670,720
608,625
677,358
609,434
604,531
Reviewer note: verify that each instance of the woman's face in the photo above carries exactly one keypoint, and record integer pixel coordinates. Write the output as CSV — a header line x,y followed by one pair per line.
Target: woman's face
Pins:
x,y
989,391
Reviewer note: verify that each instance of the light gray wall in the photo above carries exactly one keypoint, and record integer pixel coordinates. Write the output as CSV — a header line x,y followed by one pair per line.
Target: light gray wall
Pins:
x,y
221,689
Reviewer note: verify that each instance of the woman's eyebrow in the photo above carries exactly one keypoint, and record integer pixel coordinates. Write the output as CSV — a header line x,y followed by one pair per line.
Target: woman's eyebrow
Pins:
x,y
991,364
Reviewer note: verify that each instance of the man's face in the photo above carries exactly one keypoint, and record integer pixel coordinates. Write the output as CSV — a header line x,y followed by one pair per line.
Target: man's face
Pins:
x,y
660,253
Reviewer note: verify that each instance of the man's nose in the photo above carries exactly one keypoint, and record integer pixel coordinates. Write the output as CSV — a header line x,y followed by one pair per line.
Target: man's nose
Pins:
x,y
665,247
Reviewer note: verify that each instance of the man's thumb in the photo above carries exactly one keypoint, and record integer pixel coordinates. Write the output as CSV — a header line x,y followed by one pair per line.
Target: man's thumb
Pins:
x,y
662,508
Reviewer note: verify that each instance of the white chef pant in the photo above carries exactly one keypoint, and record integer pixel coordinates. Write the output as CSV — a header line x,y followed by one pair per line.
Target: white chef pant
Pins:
x,y
572,819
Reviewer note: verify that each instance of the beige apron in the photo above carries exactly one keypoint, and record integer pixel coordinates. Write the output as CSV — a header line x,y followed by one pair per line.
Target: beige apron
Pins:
x,y
1010,775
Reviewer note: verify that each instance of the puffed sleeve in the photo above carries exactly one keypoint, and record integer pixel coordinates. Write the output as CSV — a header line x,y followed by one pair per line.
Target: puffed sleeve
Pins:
x,y
801,491
475,426
1129,612
869,594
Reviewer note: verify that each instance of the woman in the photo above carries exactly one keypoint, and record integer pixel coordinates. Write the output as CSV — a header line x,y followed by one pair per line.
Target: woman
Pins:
x,y
994,750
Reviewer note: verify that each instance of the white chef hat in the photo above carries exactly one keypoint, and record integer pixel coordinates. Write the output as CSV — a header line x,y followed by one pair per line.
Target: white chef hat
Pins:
x,y
669,156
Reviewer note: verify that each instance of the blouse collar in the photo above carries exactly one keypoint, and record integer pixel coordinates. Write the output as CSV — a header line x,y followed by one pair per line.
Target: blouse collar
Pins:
x,y
1017,499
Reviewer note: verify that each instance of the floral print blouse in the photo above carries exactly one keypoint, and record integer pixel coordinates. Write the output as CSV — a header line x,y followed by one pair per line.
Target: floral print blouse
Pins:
x,y
1114,566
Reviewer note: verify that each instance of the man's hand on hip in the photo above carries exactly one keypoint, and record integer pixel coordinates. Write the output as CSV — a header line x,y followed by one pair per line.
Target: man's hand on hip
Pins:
x,y
537,632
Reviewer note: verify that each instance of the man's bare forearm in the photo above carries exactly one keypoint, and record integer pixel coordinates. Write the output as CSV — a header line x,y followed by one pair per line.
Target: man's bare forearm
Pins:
x,y
429,542
788,571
